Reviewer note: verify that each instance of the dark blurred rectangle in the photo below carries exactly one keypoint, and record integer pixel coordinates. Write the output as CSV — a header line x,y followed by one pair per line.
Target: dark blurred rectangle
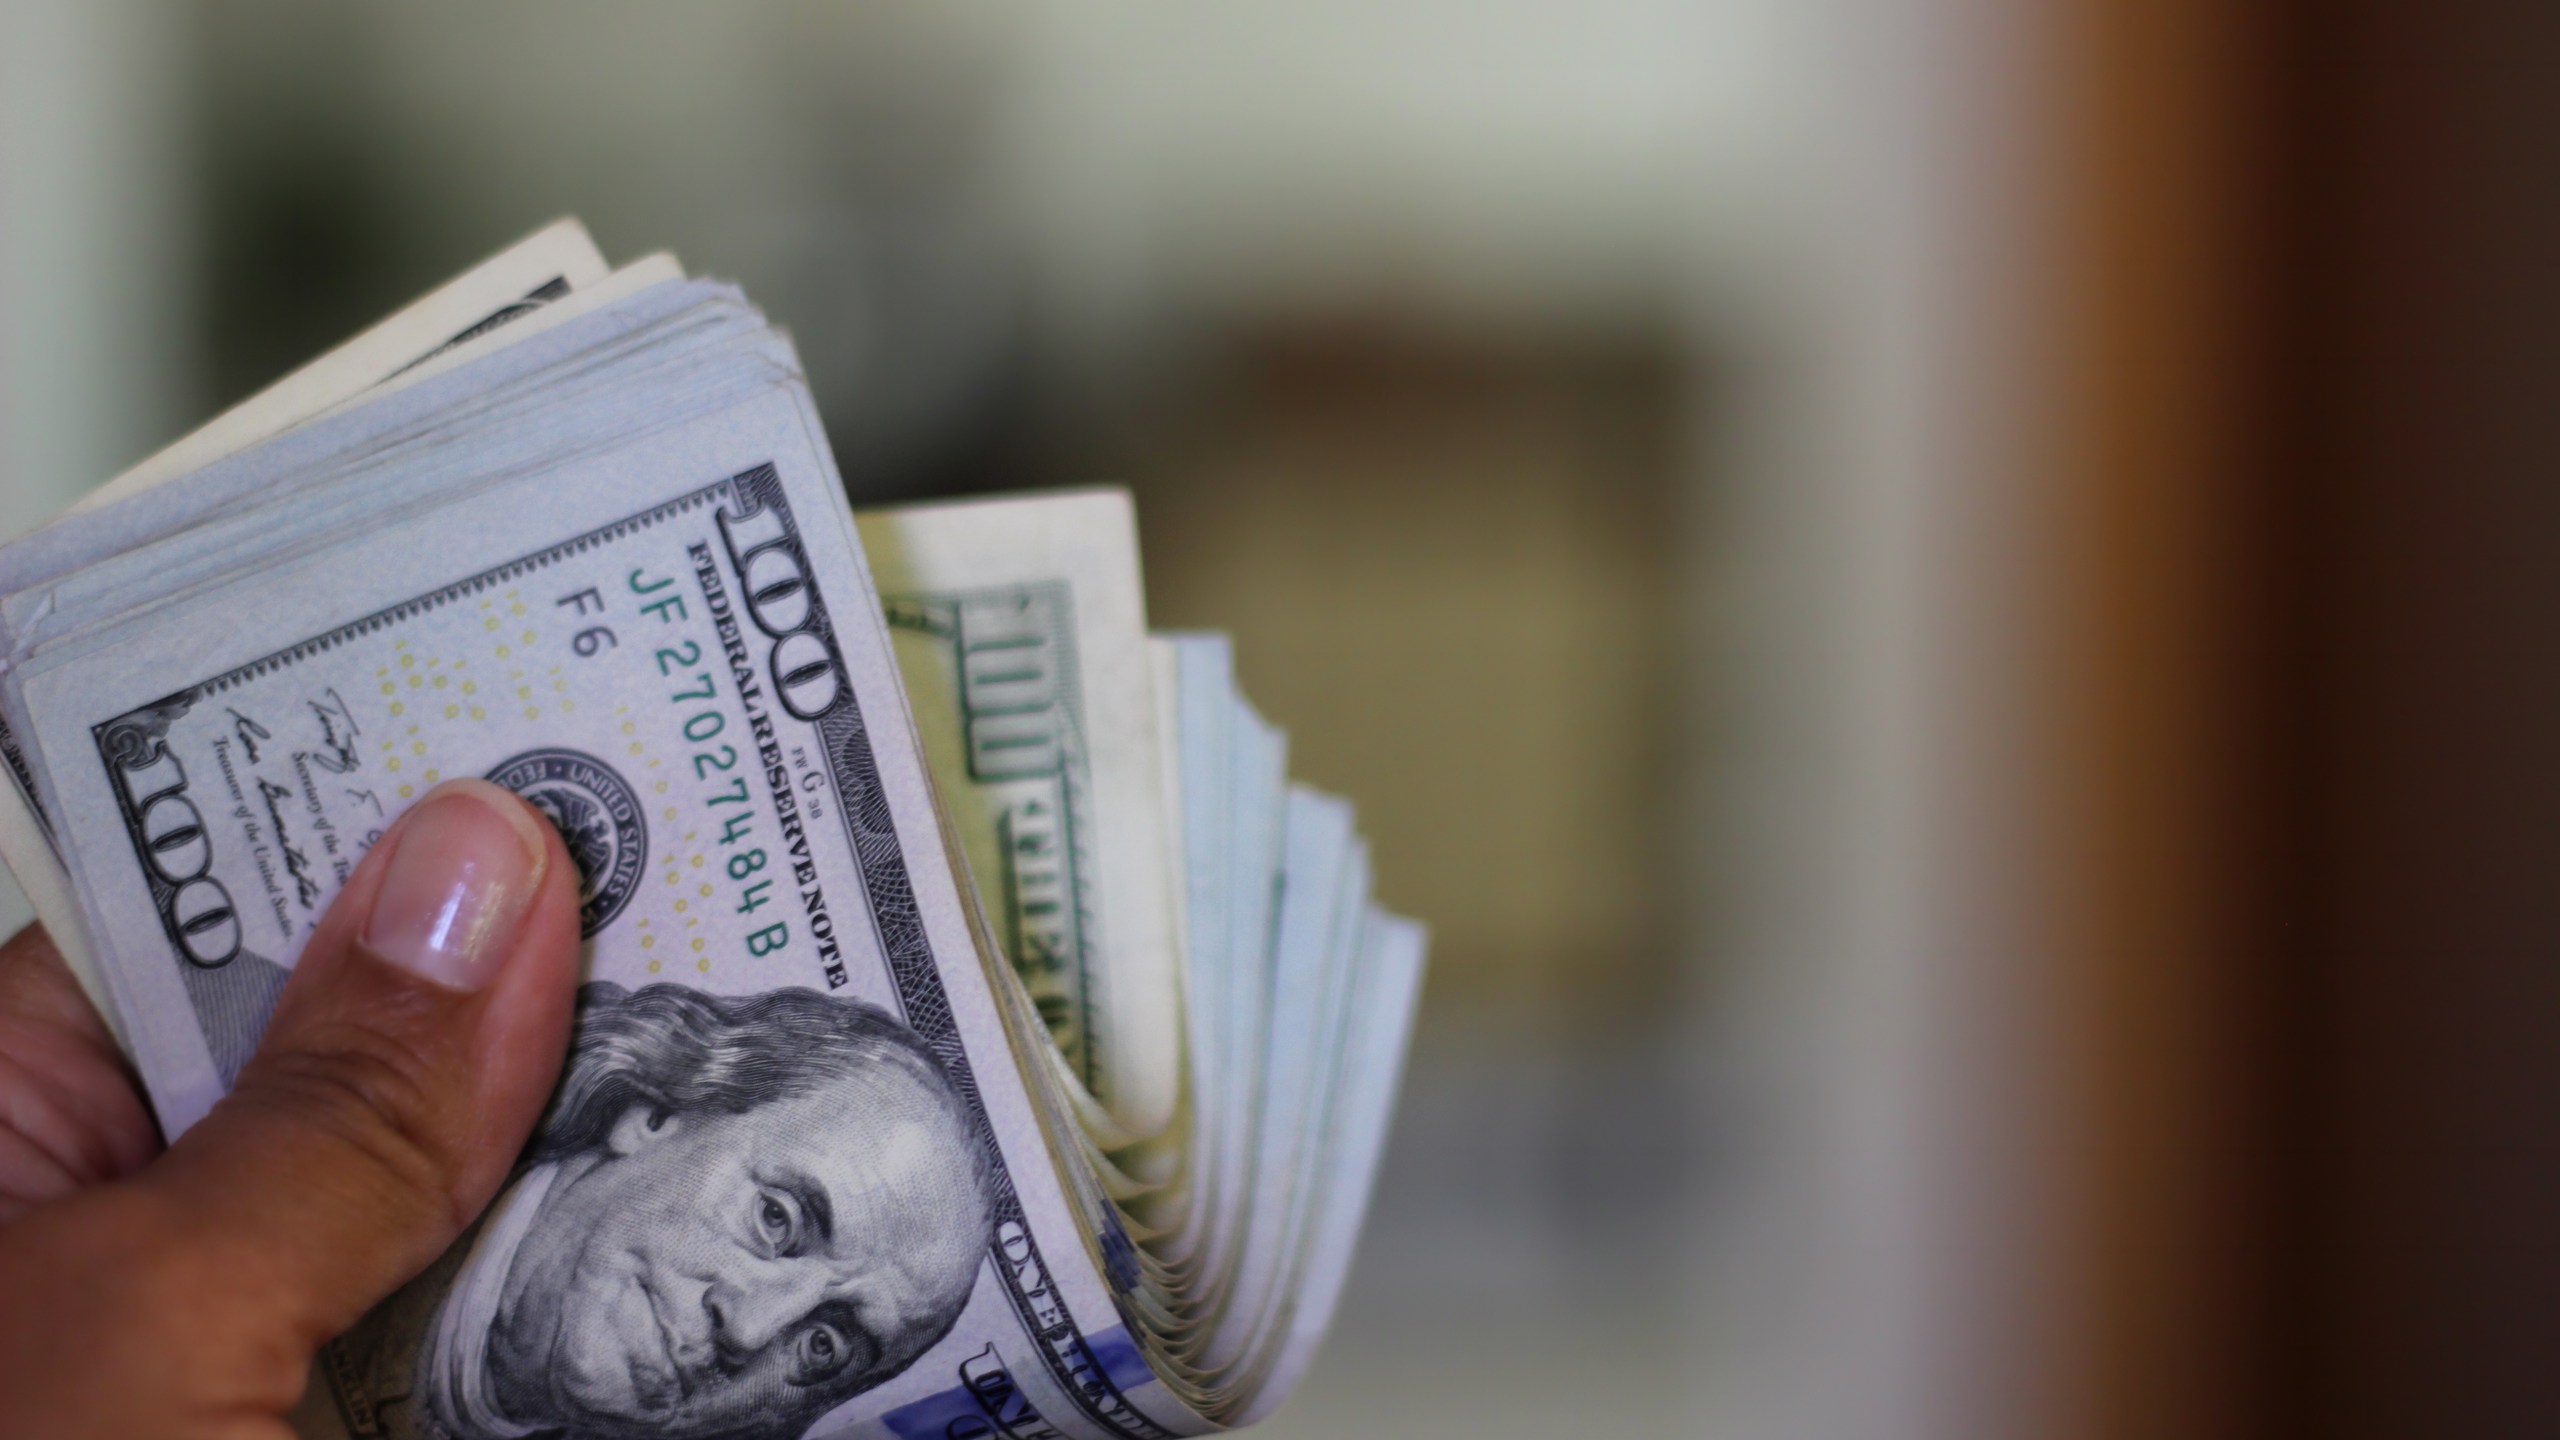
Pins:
x,y
2418,938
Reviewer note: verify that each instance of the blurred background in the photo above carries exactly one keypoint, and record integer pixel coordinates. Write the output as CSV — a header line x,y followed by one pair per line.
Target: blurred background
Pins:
x,y
1947,608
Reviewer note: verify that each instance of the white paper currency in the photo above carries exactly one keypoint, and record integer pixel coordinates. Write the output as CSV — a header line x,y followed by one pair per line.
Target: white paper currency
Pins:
x,y
674,650
981,1036
553,262
1020,625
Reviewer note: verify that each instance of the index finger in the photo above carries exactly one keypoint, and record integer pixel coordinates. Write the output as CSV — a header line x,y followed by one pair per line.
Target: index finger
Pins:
x,y
71,1113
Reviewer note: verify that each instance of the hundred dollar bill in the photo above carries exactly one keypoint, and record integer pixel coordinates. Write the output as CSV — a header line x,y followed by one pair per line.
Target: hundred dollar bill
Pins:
x,y
1020,625
672,647
972,1004
542,268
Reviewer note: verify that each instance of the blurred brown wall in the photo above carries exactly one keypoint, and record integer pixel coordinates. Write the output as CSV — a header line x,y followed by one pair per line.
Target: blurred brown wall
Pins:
x,y
2420,1029
2155,662
2308,686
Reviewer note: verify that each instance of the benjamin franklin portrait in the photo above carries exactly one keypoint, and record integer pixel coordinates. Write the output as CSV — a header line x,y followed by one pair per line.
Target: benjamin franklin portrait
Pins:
x,y
739,1212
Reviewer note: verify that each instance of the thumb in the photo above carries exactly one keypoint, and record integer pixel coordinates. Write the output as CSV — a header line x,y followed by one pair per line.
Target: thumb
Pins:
x,y
406,1063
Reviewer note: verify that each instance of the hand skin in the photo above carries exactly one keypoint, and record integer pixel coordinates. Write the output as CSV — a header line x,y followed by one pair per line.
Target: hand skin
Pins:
x,y
181,1294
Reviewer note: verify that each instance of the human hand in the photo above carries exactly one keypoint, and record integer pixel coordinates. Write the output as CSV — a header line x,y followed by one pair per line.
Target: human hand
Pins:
x,y
183,1294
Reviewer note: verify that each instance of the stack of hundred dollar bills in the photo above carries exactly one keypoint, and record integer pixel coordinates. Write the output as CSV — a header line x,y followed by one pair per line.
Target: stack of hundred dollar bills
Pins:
x,y
1044,1031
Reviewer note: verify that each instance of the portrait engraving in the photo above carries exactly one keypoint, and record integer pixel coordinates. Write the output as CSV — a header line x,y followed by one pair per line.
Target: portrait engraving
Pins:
x,y
738,1213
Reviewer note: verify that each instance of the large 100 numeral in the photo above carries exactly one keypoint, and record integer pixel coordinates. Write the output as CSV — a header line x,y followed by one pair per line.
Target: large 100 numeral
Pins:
x,y
783,603
171,834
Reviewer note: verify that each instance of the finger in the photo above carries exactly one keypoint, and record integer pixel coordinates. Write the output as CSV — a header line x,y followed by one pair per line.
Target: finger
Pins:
x,y
70,1114
36,984
405,1065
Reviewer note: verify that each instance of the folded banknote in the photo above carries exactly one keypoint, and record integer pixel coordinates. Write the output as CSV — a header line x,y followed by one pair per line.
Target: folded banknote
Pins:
x,y
1045,1031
